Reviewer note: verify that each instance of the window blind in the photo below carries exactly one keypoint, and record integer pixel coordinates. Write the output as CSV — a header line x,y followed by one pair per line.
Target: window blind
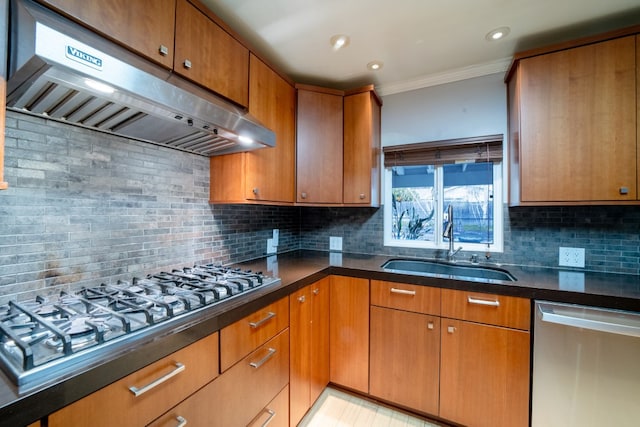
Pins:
x,y
463,150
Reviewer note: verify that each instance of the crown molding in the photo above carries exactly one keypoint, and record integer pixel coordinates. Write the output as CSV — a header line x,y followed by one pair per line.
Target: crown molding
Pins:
x,y
478,70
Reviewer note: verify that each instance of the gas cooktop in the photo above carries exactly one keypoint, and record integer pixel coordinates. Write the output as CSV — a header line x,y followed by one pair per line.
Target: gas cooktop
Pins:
x,y
49,337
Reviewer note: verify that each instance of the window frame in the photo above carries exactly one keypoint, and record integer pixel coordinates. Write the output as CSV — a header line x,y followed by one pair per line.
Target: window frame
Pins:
x,y
440,243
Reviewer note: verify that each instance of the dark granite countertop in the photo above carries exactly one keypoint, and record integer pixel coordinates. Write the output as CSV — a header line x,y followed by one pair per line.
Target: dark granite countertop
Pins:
x,y
298,269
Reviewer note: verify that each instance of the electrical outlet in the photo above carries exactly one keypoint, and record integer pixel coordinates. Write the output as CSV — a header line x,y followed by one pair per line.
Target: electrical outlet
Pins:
x,y
276,236
271,248
335,243
571,257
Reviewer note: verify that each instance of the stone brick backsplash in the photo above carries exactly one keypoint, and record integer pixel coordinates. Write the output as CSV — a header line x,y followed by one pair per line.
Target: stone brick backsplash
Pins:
x,y
85,208
609,234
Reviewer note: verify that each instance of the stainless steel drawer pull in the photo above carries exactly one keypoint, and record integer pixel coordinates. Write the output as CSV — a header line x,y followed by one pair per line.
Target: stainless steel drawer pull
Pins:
x,y
491,303
163,50
262,361
181,420
270,315
139,391
272,414
402,291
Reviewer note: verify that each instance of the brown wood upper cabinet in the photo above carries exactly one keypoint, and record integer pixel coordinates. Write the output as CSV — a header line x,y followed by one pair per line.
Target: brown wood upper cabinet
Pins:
x,y
319,145
146,27
573,125
266,175
361,181
338,146
209,56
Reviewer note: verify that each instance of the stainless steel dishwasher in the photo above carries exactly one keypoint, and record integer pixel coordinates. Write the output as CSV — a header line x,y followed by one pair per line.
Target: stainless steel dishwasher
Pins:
x,y
586,367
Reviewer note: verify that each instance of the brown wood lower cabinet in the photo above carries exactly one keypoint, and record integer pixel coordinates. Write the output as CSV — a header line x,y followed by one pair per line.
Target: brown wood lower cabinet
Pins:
x,y
276,413
239,395
484,375
200,365
349,332
405,358
309,346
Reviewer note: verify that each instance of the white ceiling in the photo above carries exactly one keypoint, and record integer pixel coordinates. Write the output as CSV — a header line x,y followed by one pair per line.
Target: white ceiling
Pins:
x,y
420,42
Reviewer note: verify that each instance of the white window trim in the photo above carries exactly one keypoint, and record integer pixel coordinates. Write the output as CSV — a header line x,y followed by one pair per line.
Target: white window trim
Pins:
x,y
498,220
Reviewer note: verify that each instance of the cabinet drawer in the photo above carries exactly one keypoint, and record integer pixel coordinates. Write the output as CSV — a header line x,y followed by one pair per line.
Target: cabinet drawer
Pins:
x,y
402,296
200,361
276,413
237,396
499,310
245,335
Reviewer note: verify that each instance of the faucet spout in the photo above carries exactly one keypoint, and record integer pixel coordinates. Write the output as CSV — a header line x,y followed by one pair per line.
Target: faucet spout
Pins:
x,y
448,233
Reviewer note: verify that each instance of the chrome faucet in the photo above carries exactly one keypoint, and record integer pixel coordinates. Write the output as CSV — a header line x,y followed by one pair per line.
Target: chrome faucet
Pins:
x,y
448,232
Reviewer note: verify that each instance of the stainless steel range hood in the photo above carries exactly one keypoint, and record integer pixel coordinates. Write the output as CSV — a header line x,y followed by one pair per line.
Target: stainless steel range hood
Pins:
x,y
59,70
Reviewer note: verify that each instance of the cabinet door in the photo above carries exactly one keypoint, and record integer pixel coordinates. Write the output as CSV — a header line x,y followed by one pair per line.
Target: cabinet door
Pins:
x,y
309,366
209,56
405,358
300,363
320,341
319,146
578,124
271,171
200,361
484,375
349,332
146,27
362,149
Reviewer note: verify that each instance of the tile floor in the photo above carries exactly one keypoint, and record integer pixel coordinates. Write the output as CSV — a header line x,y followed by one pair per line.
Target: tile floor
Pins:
x,y
335,408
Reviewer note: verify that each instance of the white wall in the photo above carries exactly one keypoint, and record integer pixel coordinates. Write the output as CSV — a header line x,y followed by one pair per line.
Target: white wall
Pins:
x,y
466,108
461,109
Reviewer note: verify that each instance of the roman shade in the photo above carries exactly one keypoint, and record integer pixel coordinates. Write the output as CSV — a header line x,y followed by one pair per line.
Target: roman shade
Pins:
x,y
462,150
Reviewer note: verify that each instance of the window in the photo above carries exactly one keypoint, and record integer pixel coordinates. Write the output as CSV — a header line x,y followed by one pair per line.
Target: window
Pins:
x,y
423,180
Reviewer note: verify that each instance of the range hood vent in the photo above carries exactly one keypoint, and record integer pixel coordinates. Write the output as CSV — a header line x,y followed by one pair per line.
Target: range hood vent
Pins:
x,y
98,85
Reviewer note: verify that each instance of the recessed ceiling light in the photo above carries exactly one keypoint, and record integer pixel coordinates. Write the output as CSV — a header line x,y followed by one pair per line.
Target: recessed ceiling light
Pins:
x,y
375,65
497,34
339,41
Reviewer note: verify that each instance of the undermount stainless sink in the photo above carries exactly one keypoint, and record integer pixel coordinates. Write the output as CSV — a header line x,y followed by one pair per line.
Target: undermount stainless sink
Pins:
x,y
448,269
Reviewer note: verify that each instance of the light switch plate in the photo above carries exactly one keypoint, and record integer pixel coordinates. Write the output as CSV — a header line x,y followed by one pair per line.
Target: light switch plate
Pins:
x,y
271,248
335,243
571,257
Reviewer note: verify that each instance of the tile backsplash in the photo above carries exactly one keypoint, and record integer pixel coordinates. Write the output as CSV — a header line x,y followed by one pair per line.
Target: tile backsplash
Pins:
x,y
532,236
85,208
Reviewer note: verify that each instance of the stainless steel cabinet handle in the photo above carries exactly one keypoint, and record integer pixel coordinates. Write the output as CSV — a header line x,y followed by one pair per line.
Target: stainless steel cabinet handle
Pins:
x,y
596,319
316,291
256,191
270,315
361,196
430,325
181,421
163,50
491,303
272,414
187,64
402,291
262,361
139,391
302,298
451,329
303,195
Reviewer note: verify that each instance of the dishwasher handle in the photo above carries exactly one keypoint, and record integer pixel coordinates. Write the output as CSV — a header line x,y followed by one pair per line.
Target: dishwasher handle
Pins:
x,y
595,319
